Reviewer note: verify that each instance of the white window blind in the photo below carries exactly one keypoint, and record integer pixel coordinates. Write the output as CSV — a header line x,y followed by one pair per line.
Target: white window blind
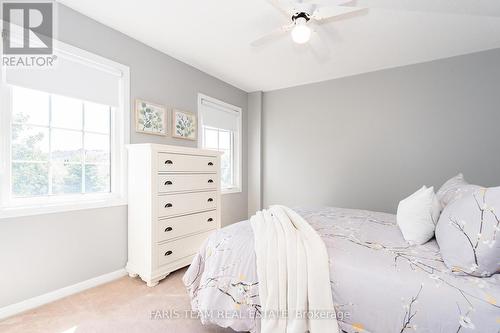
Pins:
x,y
219,116
71,76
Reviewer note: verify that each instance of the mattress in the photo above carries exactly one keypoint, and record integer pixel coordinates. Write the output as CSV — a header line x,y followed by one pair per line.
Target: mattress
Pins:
x,y
379,283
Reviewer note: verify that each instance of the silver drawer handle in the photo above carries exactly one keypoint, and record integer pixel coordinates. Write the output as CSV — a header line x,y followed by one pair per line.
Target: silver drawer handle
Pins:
x,y
168,182
167,229
168,205
210,181
168,253
210,200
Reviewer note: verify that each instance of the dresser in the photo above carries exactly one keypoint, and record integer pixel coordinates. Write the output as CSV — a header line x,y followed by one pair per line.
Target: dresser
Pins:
x,y
173,205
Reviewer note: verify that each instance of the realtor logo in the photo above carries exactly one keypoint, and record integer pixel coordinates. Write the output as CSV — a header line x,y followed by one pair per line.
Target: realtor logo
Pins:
x,y
27,27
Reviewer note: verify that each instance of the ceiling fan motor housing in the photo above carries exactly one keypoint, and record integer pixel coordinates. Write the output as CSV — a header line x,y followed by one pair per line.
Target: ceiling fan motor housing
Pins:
x,y
303,15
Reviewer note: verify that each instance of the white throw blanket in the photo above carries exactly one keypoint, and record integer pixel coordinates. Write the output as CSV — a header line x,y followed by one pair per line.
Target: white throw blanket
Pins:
x,y
293,271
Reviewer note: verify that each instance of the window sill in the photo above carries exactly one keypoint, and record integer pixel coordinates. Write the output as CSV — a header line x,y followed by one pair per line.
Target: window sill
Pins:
x,y
231,191
59,207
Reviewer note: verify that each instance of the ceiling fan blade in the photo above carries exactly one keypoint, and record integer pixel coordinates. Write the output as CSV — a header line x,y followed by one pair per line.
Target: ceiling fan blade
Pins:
x,y
319,54
329,37
318,45
325,13
284,7
272,35
327,3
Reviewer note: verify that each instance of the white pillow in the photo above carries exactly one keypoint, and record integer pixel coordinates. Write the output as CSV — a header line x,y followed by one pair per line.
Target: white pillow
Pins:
x,y
418,215
454,189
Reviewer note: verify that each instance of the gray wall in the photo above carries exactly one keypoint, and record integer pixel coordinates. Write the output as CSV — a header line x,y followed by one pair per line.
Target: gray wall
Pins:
x,y
368,141
254,152
47,252
43,253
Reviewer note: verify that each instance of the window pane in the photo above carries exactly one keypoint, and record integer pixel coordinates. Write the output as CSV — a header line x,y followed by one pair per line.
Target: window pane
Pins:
x,y
66,178
226,170
30,106
97,148
97,178
30,179
66,112
97,118
211,141
225,140
226,179
66,146
30,143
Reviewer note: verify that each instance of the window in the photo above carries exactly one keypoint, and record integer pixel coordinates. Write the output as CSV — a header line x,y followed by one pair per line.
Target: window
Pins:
x,y
223,141
220,130
59,145
62,141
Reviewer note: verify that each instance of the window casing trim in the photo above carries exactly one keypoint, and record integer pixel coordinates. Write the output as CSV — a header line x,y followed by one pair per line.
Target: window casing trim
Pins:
x,y
238,159
120,137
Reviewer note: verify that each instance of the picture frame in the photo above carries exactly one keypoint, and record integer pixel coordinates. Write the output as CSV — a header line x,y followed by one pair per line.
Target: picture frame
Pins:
x,y
184,125
150,118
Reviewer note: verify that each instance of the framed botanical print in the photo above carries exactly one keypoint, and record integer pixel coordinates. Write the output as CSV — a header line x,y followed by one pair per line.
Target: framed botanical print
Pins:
x,y
184,125
150,118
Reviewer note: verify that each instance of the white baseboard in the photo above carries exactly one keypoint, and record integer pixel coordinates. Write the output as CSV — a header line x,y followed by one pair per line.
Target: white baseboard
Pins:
x,y
52,296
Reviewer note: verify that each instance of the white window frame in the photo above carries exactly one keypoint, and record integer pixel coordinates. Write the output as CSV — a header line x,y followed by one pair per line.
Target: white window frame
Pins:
x,y
238,137
120,137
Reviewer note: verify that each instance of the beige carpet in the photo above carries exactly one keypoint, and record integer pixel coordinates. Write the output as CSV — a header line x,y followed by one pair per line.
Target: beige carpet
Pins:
x,y
121,306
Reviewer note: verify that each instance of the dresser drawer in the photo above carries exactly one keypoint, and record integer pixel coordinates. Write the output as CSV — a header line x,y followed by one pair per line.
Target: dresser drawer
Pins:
x,y
188,224
186,163
178,249
175,204
176,182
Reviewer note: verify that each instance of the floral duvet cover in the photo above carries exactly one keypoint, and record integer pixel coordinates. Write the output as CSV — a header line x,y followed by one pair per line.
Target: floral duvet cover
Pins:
x,y
379,283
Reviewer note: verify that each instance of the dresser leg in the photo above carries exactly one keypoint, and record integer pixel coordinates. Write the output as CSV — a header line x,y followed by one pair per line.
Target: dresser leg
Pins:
x,y
131,272
152,283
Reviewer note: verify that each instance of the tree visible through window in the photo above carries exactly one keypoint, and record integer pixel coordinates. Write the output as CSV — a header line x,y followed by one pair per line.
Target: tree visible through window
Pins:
x,y
59,145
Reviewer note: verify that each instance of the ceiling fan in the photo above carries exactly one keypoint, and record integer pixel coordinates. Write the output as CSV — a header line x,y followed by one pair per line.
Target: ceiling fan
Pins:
x,y
304,13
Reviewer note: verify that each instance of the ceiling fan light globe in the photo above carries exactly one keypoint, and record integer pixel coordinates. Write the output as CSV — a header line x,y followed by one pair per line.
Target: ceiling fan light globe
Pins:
x,y
301,34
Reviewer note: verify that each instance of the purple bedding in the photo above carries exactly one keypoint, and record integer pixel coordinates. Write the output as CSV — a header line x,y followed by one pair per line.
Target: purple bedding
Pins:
x,y
379,283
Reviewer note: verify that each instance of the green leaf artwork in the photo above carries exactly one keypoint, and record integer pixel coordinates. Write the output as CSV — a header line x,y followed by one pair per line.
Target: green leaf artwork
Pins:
x,y
150,118
185,125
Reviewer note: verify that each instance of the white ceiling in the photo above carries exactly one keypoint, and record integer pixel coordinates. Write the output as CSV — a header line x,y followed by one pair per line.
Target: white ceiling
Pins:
x,y
215,35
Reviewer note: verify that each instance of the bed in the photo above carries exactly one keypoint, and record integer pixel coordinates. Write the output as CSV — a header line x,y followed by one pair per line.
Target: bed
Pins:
x,y
379,283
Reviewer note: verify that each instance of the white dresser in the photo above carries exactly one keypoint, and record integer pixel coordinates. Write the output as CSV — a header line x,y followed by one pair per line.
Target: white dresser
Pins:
x,y
173,205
